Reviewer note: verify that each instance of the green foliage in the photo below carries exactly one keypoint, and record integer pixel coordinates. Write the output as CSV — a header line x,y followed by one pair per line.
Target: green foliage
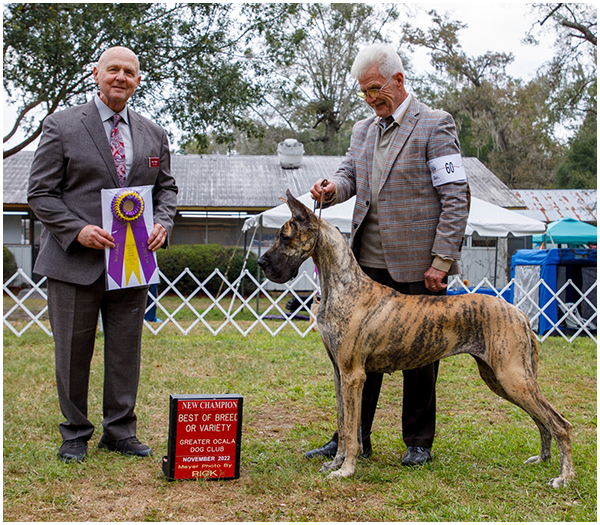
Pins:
x,y
194,71
202,260
9,265
504,122
50,49
214,84
580,167
573,69
471,143
310,89
441,39
246,76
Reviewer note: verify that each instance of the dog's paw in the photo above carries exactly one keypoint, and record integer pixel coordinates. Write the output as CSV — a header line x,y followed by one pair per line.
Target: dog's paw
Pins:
x,y
341,473
557,483
533,460
334,464
328,466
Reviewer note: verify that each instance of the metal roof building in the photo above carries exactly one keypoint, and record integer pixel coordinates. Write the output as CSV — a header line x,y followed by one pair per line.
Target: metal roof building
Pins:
x,y
553,205
248,183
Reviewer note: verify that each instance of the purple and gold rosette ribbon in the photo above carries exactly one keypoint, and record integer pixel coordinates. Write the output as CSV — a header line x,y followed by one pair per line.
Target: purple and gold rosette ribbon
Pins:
x,y
130,238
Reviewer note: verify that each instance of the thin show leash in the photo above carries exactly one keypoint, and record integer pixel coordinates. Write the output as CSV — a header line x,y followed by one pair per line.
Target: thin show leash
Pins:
x,y
323,184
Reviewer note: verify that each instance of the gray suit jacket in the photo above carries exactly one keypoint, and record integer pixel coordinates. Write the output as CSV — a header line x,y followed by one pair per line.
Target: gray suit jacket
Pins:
x,y
73,162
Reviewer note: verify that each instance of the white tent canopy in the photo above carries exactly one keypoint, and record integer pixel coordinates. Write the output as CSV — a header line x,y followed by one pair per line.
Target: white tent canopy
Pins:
x,y
488,220
339,215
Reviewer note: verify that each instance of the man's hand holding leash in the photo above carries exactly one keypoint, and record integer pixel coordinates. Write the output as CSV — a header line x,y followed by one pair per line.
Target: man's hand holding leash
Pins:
x,y
323,190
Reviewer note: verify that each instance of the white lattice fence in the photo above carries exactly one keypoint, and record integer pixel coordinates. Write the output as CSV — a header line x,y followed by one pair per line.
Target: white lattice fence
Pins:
x,y
229,304
202,309
29,308
569,323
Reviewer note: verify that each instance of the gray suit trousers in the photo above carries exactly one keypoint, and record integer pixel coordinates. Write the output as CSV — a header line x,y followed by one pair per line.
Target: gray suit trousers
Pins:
x,y
73,311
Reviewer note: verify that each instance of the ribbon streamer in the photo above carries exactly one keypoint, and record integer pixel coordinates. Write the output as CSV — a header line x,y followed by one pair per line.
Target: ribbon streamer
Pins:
x,y
131,239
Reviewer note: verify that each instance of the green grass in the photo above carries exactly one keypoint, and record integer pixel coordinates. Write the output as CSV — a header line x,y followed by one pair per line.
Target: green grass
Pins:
x,y
289,407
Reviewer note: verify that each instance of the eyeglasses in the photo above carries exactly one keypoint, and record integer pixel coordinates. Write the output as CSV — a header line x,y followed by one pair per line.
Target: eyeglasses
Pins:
x,y
373,93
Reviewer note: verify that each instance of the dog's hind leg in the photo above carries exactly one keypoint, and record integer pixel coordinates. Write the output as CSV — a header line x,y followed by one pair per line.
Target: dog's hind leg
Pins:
x,y
523,390
488,376
546,443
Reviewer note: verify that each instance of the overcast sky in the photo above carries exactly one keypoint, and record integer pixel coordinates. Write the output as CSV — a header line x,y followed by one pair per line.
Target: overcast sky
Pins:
x,y
496,27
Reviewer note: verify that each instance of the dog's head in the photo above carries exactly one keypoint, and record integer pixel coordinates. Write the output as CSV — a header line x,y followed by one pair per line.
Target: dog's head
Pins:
x,y
294,243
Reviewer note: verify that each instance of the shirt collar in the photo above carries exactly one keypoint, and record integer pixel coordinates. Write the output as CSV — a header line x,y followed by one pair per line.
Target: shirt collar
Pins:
x,y
106,113
401,109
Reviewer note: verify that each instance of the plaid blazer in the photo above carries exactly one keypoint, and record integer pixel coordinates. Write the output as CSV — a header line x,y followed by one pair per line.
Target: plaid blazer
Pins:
x,y
416,219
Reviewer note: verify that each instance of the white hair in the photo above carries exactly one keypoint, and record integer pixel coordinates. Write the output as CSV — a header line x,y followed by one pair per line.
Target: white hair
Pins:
x,y
382,55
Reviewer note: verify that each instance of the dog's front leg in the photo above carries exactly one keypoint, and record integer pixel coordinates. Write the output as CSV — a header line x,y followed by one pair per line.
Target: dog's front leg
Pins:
x,y
352,386
341,449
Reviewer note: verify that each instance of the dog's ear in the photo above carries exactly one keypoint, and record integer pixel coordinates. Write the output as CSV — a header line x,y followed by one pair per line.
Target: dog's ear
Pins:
x,y
299,211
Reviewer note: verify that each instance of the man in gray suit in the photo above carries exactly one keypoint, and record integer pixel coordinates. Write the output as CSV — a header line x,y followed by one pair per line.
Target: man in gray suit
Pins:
x,y
80,153
412,203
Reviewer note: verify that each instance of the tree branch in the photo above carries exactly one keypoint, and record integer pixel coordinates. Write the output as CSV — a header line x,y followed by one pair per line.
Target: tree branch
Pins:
x,y
587,34
38,131
20,118
558,6
26,142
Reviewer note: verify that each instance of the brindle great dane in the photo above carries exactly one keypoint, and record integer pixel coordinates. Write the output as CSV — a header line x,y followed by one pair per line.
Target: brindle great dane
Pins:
x,y
368,327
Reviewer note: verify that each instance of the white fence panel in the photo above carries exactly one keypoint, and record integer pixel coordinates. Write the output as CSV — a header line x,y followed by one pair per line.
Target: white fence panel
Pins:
x,y
20,307
229,307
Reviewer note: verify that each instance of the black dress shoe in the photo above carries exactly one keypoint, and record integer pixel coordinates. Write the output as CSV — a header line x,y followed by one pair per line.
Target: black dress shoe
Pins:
x,y
329,450
416,456
130,446
73,450
367,449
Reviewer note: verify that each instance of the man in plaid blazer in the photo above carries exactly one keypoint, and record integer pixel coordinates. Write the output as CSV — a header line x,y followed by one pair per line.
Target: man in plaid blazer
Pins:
x,y
412,203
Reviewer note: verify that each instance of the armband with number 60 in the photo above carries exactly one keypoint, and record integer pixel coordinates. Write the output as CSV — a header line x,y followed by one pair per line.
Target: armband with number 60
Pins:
x,y
447,169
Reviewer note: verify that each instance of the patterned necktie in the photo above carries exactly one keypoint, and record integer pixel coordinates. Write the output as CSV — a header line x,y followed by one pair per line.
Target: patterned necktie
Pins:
x,y
117,147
